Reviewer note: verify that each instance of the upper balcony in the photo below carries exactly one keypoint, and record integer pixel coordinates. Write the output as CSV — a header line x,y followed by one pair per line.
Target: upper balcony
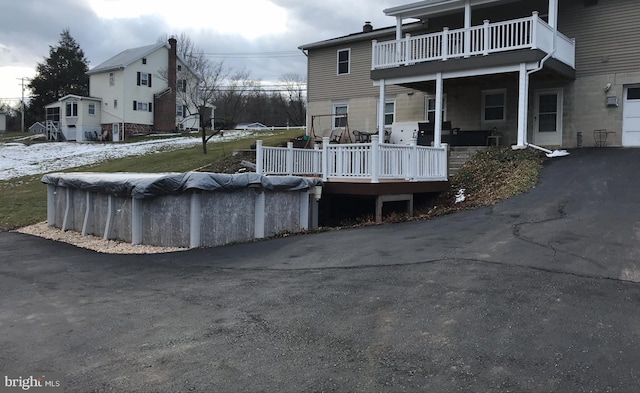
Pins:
x,y
483,40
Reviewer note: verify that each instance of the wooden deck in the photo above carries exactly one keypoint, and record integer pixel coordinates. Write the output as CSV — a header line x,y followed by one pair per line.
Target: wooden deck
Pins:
x,y
387,191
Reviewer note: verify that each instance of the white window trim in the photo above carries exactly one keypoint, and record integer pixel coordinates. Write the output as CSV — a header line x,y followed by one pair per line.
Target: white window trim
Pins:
x,y
387,101
144,79
333,112
112,78
72,104
482,107
179,110
143,106
428,97
348,50
89,106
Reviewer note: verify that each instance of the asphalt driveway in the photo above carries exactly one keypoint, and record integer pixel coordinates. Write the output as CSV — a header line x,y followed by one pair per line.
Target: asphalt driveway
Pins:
x,y
537,294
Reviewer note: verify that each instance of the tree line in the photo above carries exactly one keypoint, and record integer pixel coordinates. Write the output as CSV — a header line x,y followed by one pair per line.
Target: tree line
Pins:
x,y
238,98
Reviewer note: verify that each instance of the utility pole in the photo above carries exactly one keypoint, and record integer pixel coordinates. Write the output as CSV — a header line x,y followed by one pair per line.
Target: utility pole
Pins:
x,y
22,100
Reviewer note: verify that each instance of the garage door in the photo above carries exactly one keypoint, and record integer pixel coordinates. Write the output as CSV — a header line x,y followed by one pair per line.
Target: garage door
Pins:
x,y
631,117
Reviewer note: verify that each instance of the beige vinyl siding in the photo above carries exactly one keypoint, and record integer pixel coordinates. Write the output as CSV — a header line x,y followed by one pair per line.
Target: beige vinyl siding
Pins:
x,y
324,83
606,34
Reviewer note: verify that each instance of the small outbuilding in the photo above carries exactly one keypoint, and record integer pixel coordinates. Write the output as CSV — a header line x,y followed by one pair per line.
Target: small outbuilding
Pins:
x,y
37,128
252,126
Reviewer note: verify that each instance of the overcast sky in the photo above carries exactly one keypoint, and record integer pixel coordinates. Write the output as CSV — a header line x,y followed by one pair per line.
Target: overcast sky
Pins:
x,y
261,36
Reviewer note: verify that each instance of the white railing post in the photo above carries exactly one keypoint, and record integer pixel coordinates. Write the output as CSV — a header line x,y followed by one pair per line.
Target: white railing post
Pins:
x,y
374,49
534,30
407,49
325,158
375,158
259,157
487,37
413,165
289,159
316,160
445,43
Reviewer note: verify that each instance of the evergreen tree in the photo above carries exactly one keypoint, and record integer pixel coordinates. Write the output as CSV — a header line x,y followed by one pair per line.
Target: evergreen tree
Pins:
x,y
62,73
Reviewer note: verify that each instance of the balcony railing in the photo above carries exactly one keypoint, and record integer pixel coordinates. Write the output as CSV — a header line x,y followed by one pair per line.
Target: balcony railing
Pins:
x,y
525,33
368,161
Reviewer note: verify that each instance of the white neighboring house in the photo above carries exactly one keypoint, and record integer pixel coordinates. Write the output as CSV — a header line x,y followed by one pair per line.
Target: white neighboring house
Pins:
x,y
134,92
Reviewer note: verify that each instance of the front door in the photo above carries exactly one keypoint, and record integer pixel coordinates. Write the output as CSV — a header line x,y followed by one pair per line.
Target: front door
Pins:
x,y
547,120
631,117
115,131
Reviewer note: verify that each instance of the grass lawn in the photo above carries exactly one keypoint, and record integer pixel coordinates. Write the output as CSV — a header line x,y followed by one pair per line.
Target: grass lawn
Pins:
x,y
23,201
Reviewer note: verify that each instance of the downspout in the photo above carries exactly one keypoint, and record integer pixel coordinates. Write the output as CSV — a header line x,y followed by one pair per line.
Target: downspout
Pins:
x,y
540,66
306,131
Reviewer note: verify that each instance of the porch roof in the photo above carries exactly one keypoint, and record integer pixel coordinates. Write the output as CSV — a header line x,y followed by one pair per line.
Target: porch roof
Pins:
x,y
385,32
427,8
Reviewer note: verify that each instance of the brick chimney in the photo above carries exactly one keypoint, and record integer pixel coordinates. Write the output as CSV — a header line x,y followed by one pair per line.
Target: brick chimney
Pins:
x,y
172,66
164,116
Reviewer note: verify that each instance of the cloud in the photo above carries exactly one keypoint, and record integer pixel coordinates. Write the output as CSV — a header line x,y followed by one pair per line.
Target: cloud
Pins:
x,y
104,28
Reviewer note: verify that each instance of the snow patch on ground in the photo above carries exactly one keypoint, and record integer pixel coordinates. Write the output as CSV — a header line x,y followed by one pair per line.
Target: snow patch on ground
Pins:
x,y
18,160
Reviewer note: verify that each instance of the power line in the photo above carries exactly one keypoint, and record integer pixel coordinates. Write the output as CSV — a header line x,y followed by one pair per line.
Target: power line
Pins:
x,y
275,54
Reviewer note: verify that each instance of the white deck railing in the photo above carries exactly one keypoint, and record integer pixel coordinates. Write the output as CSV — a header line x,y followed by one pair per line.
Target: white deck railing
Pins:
x,y
368,161
525,33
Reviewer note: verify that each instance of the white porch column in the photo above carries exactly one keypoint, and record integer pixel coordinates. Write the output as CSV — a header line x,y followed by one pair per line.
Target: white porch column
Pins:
x,y
437,128
398,28
381,112
523,103
467,26
553,14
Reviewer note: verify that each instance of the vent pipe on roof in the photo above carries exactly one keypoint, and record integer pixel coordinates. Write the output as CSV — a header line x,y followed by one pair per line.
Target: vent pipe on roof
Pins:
x,y
367,28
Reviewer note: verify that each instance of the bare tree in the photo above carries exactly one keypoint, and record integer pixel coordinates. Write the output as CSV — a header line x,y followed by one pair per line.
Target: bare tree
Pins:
x,y
233,98
198,85
295,87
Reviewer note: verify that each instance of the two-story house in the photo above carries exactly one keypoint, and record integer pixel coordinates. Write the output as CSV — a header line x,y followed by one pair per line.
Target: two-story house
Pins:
x,y
135,91
544,72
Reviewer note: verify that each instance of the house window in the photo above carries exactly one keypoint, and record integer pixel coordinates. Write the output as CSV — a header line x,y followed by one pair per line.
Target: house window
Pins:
x,y
182,85
72,109
430,108
144,79
389,113
340,112
343,61
494,105
53,114
181,111
179,67
92,109
112,79
115,104
144,60
142,106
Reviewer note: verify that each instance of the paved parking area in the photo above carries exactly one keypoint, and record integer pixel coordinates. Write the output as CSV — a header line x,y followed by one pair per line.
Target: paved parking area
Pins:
x,y
536,294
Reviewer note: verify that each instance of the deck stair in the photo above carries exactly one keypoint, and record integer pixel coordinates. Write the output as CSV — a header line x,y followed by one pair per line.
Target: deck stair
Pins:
x,y
459,155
